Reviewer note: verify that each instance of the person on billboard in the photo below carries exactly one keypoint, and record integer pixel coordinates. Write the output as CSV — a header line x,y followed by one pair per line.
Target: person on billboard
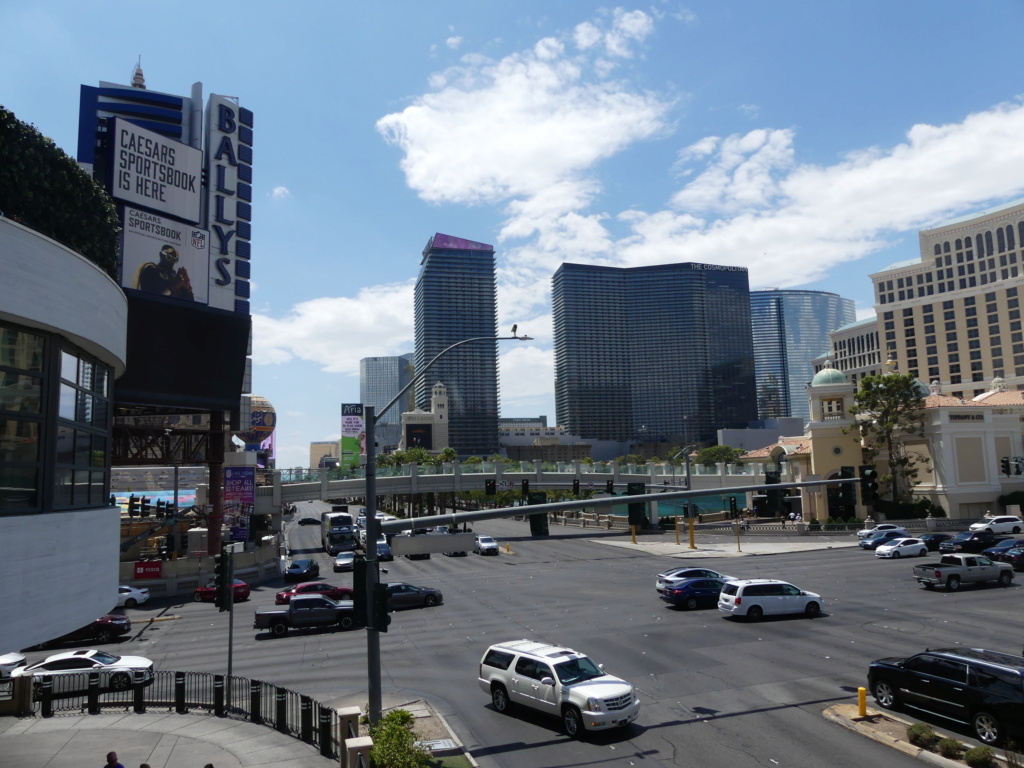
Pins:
x,y
162,277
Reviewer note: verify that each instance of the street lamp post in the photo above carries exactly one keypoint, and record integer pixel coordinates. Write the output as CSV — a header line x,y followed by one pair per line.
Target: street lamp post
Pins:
x,y
373,527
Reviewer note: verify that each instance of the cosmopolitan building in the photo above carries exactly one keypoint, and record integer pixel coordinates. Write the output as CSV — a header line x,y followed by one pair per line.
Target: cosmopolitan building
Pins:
x,y
791,328
652,354
455,300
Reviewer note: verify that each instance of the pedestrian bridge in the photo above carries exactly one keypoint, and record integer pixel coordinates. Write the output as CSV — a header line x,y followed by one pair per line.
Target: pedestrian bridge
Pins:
x,y
295,486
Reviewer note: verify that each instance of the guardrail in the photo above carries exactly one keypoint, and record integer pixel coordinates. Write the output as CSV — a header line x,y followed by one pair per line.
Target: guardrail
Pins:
x,y
288,712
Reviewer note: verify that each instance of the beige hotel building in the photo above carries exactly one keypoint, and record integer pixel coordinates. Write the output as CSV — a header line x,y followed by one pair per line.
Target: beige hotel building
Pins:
x,y
954,316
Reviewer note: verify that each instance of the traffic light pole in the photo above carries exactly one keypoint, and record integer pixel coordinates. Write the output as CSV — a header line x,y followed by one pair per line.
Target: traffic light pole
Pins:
x,y
372,574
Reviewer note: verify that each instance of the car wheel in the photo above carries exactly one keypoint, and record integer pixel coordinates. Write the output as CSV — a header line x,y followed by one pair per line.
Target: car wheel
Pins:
x,y
197,597
953,583
812,609
430,601
922,553
691,603
122,681
104,636
988,530
1016,529
929,585
499,698
755,613
346,622
885,695
986,728
896,555
573,722
1005,578
279,629
131,602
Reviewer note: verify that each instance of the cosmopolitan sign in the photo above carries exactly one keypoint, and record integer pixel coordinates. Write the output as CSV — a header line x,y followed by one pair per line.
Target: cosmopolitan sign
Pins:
x,y
155,172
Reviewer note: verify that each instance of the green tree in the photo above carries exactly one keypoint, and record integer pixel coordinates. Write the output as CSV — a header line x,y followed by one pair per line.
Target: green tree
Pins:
x,y
887,409
473,460
417,455
718,454
394,744
448,455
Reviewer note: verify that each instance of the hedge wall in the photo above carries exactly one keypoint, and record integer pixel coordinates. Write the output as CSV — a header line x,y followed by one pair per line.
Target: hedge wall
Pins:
x,y
43,188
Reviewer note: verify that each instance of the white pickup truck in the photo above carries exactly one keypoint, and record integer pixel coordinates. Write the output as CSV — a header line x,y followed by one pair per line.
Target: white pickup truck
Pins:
x,y
954,570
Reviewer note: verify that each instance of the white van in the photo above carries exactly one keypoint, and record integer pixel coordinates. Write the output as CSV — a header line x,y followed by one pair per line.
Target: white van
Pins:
x,y
755,598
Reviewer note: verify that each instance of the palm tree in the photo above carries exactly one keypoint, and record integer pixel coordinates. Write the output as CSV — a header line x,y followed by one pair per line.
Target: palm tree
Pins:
x,y
448,455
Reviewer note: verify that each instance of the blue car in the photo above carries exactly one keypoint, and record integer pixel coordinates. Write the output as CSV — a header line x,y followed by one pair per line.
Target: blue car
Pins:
x,y
693,593
384,551
1003,547
873,542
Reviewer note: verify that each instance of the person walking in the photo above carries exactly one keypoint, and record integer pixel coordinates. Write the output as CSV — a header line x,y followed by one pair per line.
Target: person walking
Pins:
x,y
112,761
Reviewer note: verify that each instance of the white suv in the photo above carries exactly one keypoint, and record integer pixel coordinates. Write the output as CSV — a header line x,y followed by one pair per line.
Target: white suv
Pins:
x,y
1003,524
558,681
755,598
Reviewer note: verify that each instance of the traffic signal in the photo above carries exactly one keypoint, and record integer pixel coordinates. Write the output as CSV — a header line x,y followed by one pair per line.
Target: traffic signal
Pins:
x,y
526,488
847,494
773,499
159,509
223,581
144,507
538,522
1005,463
133,506
575,487
637,511
868,485
1017,460
490,487
381,599
609,487
359,610
732,506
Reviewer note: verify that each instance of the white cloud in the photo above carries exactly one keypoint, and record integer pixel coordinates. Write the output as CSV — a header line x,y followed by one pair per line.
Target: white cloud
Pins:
x,y
453,42
526,374
279,193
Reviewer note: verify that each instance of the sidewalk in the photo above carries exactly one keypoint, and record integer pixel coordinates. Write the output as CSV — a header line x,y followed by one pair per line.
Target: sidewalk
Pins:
x,y
665,546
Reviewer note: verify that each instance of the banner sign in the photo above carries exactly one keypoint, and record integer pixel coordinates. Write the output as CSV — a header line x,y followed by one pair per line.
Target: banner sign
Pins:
x,y
163,256
353,433
239,500
149,569
155,172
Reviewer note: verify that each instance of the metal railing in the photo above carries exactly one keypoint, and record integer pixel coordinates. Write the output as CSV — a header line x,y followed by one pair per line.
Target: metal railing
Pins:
x,y
284,710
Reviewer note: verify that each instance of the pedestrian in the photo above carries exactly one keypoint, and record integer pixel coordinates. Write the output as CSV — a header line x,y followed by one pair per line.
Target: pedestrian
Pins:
x,y
792,517
112,761
144,765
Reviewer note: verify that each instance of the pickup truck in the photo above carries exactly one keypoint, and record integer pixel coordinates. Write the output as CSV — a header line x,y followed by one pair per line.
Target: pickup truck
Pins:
x,y
954,570
306,611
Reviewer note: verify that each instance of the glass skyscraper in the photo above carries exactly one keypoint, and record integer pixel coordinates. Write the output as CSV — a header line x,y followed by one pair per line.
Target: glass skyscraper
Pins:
x,y
652,354
456,299
791,329
380,379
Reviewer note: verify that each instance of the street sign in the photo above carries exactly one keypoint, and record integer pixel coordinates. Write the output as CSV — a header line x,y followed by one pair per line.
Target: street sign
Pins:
x,y
432,542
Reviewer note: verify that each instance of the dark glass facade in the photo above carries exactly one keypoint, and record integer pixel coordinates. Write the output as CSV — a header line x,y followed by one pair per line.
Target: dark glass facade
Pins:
x,y
380,380
456,299
652,354
790,329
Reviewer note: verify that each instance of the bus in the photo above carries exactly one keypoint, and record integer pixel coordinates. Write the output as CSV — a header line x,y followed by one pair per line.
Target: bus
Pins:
x,y
338,531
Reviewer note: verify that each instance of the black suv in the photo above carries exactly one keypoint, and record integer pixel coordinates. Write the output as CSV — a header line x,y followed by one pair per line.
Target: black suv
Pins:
x,y
982,688
971,541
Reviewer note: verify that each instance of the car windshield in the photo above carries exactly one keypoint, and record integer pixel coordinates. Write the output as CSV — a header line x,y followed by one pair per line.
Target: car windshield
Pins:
x,y
577,671
963,536
105,658
486,540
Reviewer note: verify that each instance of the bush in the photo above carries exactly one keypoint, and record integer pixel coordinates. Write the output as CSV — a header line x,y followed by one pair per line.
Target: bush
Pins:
x,y
950,748
814,525
922,735
980,757
394,745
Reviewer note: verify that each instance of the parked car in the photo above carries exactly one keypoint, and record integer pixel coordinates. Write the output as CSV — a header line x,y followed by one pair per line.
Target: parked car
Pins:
x,y
10,662
313,588
129,597
755,598
117,673
693,593
206,594
556,681
972,685
1001,524
933,540
879,529
675,576
402,595
102,630
1015,557
970,541
882,537
897,548
344,561
485,545
1003,546
302,570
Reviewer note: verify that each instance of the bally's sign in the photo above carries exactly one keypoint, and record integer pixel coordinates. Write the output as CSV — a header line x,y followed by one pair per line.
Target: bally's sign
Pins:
x,y
229,201
155,172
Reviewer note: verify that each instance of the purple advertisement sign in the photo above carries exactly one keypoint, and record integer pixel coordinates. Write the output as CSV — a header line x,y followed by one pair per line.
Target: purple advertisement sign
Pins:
x,y
457,243
239,500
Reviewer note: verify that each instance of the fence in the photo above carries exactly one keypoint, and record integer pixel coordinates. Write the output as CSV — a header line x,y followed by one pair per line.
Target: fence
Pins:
x,y
240,698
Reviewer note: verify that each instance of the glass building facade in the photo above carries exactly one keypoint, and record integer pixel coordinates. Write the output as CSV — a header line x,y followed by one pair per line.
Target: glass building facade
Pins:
x,y
652,354
455,300
380,379
790,329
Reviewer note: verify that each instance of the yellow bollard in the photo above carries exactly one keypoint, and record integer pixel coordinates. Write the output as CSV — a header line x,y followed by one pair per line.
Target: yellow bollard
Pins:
x,y
632,533
690,521
862,702
676,518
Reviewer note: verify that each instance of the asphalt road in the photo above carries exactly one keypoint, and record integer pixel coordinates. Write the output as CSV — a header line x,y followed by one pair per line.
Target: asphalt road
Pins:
x,y
714,691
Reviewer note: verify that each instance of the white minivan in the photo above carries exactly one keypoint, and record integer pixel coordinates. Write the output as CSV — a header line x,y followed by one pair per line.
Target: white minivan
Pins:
x,y
755,598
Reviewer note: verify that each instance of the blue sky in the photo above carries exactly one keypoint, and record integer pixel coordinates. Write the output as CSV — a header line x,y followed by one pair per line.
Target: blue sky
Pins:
x,y
808,142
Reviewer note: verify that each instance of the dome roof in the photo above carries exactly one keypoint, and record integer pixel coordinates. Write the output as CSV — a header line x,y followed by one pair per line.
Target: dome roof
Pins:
x,y
828,376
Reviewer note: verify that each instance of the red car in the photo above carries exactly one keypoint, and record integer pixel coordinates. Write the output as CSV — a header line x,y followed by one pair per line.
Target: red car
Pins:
x,y
207,593
313,588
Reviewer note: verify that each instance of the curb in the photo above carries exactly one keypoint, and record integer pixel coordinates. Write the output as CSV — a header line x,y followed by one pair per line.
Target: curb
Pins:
x,y
458,742
845,715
